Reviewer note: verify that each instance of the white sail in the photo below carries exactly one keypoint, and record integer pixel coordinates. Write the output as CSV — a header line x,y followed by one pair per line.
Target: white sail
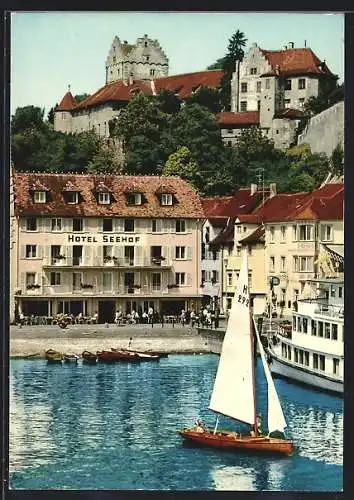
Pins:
x,y
233,392
276,420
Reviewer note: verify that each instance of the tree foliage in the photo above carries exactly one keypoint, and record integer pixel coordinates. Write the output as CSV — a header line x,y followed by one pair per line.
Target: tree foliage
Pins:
x,y
81,97
218,64
182,163
327,97
207,97
235,52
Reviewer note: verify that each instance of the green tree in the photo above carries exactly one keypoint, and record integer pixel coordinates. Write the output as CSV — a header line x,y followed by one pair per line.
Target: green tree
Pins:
x,y
235,52
81,97
27,117
218,64
168,101
182,163
207,97
51,114
329,94
337,160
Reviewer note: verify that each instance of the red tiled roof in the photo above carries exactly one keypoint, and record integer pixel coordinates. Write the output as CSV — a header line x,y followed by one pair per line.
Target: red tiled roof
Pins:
x,y
230,206
188,205
278,208
226,235
67,103
185,84
115,91
296,62
256,236
215,207
242,118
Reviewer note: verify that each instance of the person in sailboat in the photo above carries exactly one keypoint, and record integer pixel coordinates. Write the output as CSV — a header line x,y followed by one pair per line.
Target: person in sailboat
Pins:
x,y
199,425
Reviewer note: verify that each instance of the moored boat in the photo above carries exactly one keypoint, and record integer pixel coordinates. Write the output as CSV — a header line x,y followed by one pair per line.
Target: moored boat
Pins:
x,y
70,358
114,356
143,355
53,356
89,358
235,388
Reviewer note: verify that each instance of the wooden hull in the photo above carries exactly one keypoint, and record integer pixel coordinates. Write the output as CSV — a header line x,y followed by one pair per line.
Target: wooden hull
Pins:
x,y
53,356
114,356
71,358
89,358
143,356
230,441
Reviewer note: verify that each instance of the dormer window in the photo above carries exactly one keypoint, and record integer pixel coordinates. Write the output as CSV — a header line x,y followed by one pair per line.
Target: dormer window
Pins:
x,y
40,197
104,198
134,198
72,197
166,199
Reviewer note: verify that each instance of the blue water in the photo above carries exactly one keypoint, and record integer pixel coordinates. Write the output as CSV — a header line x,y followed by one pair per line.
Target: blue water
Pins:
x,y
114,427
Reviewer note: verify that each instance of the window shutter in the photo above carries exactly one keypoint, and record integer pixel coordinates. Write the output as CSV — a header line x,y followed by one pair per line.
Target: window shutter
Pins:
x,y
189,279
166,252
189,253
159,225
40,252
119,251
137,278
39,279
138,252
99,254
23,223
47,224
46,253
23,252
87,254
68,252
23,282
118,225
67,225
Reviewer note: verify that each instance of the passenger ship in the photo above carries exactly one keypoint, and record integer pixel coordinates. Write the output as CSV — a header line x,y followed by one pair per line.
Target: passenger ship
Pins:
x,y
312,351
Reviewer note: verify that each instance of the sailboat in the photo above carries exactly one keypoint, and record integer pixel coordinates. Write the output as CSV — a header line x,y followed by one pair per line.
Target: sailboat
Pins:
x,y
234,392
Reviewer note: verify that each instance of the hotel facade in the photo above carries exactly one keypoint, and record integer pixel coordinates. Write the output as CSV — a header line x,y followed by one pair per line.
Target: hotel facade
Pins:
x,y
97,244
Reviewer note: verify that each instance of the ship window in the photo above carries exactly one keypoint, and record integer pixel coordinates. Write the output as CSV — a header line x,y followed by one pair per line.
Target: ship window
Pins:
x,y
334,332
340,292
336,366
307,358
283,350
315,361
313,327
296,354
304,325
289,352
322,362
327,330
320,329
301,357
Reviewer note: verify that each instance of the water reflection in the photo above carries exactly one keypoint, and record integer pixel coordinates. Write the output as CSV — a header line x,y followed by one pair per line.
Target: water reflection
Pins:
x,y
234,478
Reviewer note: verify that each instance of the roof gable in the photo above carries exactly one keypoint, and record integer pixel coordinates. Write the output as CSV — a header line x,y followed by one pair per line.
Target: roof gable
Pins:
x,y
67,103
296,61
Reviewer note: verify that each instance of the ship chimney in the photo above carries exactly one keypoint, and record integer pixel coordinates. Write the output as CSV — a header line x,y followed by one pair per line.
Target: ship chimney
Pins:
x,y
253,189
272,189
291,45
285,47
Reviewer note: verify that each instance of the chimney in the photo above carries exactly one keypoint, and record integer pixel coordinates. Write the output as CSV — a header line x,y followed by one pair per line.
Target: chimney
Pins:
x,y
272,189
277,67
285,47
291,45
125,41
131,79
253,189
305,43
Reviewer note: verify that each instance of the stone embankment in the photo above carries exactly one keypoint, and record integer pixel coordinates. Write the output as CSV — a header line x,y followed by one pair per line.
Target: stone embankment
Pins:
x,y
33,341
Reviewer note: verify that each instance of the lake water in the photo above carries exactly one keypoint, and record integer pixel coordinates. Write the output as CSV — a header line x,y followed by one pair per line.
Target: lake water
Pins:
x,y
114,427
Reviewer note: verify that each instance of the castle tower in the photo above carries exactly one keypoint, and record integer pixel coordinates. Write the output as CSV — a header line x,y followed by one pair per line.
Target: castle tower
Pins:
x,y
143,61
62,115
272,99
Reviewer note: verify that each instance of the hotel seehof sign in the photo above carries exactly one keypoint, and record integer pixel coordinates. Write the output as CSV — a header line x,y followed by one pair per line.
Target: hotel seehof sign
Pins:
x,y
103,239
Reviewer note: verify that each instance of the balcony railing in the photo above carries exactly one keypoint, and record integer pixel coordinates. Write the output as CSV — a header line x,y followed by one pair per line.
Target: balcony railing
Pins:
x,y
90,290
153,262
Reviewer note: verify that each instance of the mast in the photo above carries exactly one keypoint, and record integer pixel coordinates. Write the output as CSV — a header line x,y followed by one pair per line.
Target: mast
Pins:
x,y
253,345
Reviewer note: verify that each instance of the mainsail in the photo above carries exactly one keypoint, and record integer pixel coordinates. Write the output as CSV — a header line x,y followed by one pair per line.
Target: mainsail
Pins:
x,y
276,420
233,392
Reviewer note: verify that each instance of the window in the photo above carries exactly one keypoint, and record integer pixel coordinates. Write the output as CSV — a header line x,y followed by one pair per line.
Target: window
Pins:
x,y
258,105
56,224
301,102
334,331
333,291
166,199
302,83
303,264
327,330
107,224
129,225
114,59
152,72
104,198
243,87
340,292
305,232
31,251
180,252
180,278
289,352
282,233
336,366
253,71
30,279
40,197
304,325
267,84
180,226
271,264
215,276
156,225
282,263
301,352
107,281
307,358
156,281
287,103
271,234
259,86
243,106
296,354
320,328
313,327
315,361
134,198
326,232
55,278
72,197
283,350
287,84
322,362
78,224
229,279
147,58
31,224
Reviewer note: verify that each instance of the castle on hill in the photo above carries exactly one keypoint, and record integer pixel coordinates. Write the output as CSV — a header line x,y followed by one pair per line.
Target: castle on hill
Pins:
x,y
268,89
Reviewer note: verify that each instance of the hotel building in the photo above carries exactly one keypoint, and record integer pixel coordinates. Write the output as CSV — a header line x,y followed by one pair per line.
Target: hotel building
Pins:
x,y
96,243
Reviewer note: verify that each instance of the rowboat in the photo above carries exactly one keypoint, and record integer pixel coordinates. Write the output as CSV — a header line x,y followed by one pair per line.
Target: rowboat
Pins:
x,y
53,356
142,355
113,356
235,387
89,357
70,358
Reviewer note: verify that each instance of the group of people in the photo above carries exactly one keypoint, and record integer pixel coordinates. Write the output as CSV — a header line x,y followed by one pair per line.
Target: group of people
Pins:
x,y
134,317
206,317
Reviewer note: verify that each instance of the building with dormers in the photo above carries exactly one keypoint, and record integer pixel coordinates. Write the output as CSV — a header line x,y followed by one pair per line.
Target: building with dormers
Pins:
x,y
87,243
285,237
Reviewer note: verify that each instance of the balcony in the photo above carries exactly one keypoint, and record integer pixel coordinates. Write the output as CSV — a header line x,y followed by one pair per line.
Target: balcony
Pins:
x,y
144,262
93,290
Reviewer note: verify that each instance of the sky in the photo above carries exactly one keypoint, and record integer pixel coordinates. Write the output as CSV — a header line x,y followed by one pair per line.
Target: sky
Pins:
x,y
51,50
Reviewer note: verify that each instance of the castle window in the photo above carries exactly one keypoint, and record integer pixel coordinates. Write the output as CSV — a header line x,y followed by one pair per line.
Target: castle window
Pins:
x,y
267,84
104,198
287,84
39,197
146,44
253,71
147,58
114,59
152,72
259,86
243,105
243,87
166,199
302,83
258,105
287,103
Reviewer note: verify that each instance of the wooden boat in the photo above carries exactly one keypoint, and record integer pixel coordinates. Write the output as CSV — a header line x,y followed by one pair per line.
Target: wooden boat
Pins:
x,y
53,356
113,356
70,358
234,392
142,355
89,357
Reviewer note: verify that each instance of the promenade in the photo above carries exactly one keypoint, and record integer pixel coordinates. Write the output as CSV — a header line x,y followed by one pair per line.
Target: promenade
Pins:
x,y
33,341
